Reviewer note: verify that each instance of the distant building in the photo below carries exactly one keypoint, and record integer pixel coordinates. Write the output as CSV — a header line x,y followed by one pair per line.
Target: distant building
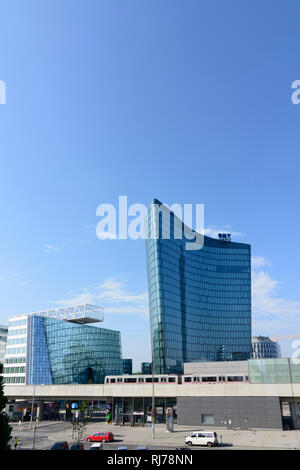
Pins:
x,y
265,348
127,366
60,347
146,368
3,339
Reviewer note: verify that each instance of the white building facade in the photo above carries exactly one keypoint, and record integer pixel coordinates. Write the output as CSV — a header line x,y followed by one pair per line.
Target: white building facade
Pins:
x,y
3,339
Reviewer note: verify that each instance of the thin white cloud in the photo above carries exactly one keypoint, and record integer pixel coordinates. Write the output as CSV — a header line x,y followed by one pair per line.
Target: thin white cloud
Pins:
x,y
272,314
1,278
263,288
79,298
259,262
113,296
106,235
51,249
141,311
113,291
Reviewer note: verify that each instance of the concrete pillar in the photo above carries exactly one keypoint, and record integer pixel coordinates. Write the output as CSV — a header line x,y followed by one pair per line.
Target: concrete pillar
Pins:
x,y
295,409
40,411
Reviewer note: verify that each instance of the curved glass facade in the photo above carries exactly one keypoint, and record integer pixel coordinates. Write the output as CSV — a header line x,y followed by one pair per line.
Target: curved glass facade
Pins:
x,y
199,300
62,352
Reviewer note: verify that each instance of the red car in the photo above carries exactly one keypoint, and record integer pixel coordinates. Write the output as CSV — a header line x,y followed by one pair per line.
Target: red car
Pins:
x,y
100,436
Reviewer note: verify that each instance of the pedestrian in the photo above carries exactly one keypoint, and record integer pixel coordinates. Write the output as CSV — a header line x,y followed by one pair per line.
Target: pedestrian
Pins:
x,y
16,442
19,423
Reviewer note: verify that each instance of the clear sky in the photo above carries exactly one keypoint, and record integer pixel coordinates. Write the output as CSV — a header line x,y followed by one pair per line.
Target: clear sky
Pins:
x,y
185,101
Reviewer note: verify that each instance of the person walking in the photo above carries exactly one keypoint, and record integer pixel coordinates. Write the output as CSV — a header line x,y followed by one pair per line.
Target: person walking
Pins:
x,y
16,443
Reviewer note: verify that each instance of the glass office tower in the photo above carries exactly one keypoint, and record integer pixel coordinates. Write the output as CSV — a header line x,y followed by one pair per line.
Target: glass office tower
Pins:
x,y
54,348
199,300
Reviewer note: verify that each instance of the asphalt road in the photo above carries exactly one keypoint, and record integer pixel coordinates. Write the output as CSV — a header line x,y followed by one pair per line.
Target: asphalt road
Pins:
x,y
25,435
46,431
42,441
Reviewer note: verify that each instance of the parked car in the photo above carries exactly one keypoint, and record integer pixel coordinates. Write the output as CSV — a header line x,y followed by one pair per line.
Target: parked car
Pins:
x,y
96,446
122,448
77,446
61,445
100,437
202,438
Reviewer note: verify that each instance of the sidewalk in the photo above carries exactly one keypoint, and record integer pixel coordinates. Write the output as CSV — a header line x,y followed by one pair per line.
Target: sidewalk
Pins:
x,y
26,424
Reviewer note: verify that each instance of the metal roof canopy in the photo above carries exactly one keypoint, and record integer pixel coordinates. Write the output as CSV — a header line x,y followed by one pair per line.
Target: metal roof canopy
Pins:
x,y
80,313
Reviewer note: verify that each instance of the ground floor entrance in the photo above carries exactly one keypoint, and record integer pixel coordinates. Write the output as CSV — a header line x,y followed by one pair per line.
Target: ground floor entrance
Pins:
x,y
290,412
137,411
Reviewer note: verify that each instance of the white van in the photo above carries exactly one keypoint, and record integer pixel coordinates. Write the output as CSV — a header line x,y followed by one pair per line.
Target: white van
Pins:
x,y
202,438
96,446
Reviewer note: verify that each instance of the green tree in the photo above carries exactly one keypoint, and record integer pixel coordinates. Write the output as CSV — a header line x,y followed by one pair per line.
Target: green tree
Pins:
x,y
80,423
5,428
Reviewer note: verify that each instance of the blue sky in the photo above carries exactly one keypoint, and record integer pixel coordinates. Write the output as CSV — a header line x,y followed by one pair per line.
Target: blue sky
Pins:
x,y
188,102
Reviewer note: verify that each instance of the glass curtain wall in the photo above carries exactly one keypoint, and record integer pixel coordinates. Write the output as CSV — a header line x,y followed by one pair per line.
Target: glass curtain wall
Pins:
x,y
62,352
199,300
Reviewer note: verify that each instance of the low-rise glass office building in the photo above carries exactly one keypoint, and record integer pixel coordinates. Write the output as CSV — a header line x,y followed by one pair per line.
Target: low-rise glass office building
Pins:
x,y
146,368
127,366
60,347
199,300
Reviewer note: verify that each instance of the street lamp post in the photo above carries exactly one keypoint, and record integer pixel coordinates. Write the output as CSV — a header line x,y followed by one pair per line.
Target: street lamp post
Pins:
x,y
32,408
153,401
34,431
32,405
